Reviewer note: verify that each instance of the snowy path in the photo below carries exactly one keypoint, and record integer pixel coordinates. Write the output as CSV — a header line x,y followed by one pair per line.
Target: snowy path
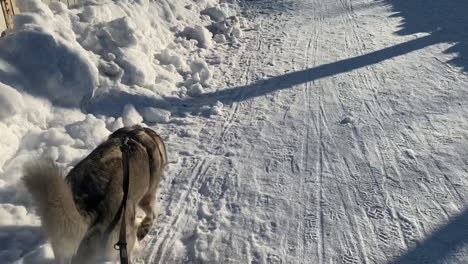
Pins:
x,y
346,144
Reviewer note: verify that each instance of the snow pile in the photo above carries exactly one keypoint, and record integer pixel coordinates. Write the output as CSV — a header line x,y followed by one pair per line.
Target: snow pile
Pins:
x,y
200,34
69,77
11,101
155,115
130,116
44,59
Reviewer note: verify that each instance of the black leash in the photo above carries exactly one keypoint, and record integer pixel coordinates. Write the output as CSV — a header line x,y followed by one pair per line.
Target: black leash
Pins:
x,y
121,245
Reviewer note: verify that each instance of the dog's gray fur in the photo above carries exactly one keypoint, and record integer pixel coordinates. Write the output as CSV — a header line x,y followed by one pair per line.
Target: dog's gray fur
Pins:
x,y
76,211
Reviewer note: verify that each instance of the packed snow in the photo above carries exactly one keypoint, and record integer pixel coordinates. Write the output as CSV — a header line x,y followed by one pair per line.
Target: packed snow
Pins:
x,y
71,76
298,131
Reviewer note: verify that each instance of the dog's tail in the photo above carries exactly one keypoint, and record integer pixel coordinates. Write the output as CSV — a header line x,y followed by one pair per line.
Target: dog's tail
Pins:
x,y
61,220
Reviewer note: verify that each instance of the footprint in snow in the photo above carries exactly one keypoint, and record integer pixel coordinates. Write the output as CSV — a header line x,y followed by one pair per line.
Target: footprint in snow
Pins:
x,y
347,120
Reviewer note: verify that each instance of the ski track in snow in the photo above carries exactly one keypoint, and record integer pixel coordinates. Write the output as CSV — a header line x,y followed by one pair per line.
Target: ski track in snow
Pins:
x,y
353,163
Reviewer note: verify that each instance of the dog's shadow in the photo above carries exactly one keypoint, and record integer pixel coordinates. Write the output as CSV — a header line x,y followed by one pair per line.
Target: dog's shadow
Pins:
x,y
18,240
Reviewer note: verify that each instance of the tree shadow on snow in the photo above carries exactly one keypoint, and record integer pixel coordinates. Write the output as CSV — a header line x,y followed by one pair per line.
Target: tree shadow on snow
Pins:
x,y
444,244
112,105
444,20
298,77
448,19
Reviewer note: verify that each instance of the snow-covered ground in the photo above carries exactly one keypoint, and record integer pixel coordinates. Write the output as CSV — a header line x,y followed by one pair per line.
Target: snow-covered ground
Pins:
x,y
69,77
309,131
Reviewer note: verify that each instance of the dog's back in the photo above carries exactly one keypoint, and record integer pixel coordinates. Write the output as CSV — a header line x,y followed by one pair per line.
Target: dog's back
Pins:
x,y
94,191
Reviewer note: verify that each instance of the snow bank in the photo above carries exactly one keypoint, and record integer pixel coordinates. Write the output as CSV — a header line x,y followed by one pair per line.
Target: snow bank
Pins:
x,y
11,101
69,77
44,59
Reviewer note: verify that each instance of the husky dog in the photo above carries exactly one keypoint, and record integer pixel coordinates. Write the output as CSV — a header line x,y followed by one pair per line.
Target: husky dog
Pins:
x,y
77,211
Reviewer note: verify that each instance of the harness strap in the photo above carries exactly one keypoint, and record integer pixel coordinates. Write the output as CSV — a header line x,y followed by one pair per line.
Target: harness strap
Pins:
x,y
121,245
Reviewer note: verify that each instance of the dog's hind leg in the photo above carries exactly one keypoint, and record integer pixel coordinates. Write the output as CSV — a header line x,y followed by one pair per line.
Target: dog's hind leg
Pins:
x,y
92,247
132,230
147,204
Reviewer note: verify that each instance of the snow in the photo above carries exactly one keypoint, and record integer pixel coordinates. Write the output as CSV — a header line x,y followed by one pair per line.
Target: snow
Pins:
x,y
169,57
69,77
216,13
201,72
195,90
60,62
91,131
219,38
297,131
156,115
200,34
130,116
11,101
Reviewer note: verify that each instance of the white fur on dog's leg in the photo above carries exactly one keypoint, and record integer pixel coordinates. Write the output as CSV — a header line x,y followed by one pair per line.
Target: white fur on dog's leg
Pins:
x,y
137,252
